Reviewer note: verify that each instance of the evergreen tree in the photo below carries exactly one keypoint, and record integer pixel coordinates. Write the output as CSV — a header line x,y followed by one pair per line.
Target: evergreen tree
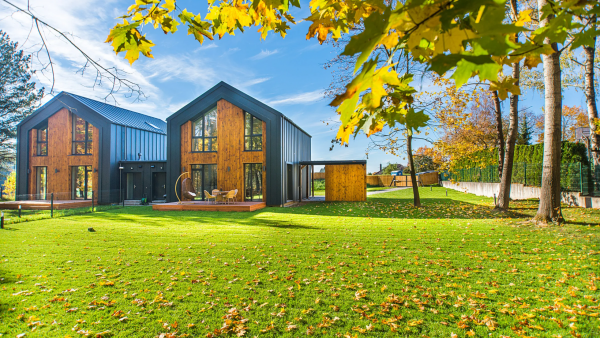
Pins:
x,y
18,95
525,132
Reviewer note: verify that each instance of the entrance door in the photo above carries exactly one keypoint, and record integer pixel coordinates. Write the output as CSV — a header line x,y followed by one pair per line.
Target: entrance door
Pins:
x,y
159,186
133,188
204,177
41,181
81,182
290,182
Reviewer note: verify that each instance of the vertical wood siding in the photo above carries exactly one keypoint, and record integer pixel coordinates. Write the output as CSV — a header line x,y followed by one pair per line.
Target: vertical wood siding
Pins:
x,y
230,156
60,158
346,182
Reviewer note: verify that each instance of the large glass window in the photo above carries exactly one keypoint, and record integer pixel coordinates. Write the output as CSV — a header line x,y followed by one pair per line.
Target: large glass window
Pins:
x,y
204,177
253,182
83,133
204,132
81,182
252,132
41,182
42,141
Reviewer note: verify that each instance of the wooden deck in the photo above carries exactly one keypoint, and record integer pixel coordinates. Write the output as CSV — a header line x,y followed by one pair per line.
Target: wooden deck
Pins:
x,y
45,204
206,206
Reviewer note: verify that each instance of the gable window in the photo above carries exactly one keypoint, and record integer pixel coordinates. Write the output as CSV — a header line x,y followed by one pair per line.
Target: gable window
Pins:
x,y
252,133
204,132
42,141
83,133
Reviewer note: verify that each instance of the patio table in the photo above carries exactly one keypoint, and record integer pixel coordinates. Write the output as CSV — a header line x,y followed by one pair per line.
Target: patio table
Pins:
x,y
220,195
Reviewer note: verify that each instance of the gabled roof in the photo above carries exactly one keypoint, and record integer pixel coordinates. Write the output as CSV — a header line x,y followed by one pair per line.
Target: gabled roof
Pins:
x,y
123,116
225,87
113,114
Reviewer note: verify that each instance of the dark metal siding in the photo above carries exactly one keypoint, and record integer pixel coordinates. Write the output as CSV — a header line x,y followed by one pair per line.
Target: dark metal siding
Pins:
x,y
295,147
128,142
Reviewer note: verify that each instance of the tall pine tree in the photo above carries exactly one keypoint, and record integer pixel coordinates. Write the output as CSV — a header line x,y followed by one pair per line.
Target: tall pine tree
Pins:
x,y
18,95
525,132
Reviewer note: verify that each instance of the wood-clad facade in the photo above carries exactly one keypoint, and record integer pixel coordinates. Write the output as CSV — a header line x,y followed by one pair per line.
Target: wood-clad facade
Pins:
x,y
70,165
284,145
230,156
346,182
60,159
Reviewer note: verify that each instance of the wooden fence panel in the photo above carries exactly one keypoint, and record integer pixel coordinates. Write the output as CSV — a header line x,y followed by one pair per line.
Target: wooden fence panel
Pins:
x,y
319,176
429,178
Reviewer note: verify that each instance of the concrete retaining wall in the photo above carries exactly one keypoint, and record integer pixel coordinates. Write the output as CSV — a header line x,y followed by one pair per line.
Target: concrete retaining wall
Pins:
x,y
520,192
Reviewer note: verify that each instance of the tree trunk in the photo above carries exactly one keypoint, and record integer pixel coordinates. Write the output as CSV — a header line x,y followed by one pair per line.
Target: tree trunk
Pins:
x,y
513,129
549,208
413,175
500,145
590,98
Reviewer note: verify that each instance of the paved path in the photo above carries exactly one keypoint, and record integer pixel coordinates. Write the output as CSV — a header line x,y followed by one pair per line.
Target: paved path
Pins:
x,y
369,193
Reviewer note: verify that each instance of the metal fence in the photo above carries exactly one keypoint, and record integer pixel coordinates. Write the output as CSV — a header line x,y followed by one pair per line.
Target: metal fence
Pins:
x,y
29,207
573,176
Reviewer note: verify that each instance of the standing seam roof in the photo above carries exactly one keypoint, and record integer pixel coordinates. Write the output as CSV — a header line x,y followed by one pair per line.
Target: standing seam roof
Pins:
x,y
123,116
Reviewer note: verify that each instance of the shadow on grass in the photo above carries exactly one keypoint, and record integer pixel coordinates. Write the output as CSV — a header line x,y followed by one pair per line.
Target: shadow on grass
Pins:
x,y
147,216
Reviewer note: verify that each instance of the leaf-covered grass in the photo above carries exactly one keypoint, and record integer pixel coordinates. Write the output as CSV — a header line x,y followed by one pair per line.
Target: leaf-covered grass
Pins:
x,y
381,268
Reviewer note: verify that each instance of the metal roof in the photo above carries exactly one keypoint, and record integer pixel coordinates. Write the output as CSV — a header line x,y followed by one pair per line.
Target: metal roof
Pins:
x,y
123,116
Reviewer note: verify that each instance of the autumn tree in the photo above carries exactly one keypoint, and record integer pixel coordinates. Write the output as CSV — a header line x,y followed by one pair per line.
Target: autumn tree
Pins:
x,y
511,136
573,117
465,122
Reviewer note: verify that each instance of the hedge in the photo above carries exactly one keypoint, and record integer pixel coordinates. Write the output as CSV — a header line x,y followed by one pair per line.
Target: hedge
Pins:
x,y
530,154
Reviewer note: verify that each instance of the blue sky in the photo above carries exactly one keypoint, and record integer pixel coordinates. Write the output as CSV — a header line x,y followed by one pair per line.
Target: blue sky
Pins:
x,y
287,74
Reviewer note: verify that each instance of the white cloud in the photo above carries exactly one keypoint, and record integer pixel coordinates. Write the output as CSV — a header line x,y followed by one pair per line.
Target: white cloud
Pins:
x,y
302,98
255,81
263,54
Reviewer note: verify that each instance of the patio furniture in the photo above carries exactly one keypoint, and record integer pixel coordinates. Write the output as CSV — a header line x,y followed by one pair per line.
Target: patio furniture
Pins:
x,y
209,196
230,196
189,193
220,195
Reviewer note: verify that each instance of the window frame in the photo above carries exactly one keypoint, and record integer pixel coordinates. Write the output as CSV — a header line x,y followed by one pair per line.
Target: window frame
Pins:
x,y
252,134
253,168
203,137
38,151
87,140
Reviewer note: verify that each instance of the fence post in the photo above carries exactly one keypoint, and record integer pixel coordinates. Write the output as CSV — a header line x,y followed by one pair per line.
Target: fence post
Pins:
x,y
580,179
19,211
2,220
51,205
92,200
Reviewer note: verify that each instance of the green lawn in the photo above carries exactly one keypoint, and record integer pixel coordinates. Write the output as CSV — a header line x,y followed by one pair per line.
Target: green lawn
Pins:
x,y
322,192
381,268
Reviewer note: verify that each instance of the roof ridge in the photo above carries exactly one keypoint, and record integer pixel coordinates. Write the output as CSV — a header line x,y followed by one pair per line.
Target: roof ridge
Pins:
x,y
112,105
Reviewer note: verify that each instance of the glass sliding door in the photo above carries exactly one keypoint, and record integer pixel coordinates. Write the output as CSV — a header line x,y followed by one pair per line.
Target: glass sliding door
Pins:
x,y
41,182
81,182
253,182
204,177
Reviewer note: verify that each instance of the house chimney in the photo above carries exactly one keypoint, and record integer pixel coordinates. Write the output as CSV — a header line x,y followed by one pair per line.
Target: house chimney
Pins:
x,y
380,167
